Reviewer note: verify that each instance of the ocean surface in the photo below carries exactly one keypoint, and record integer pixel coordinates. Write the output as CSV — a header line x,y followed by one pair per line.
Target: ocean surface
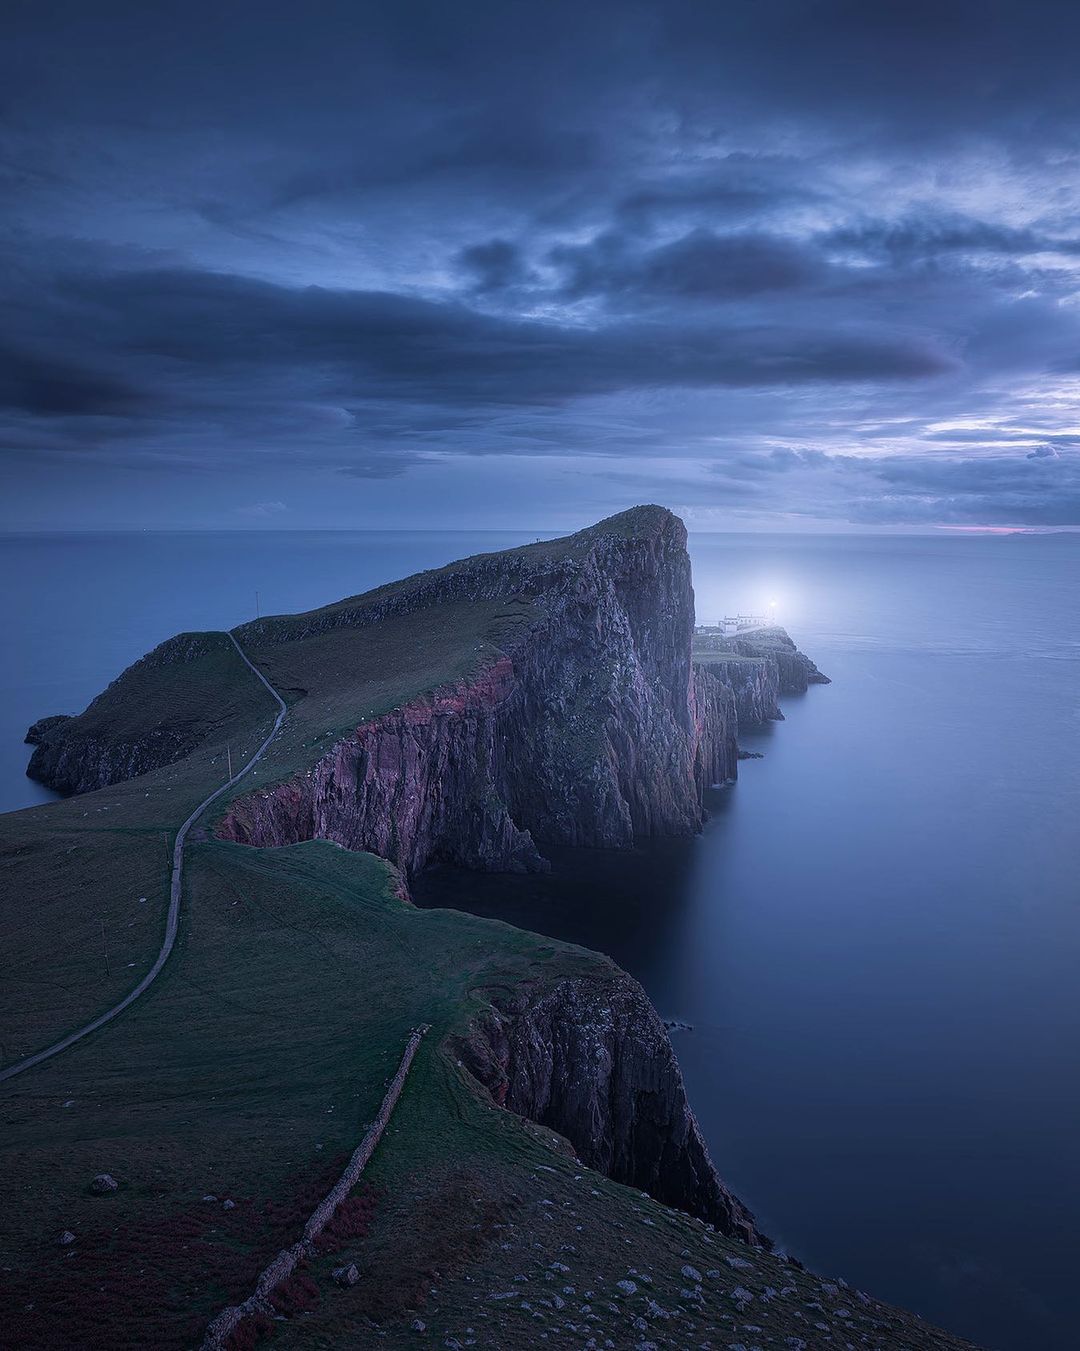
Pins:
x,y
877,937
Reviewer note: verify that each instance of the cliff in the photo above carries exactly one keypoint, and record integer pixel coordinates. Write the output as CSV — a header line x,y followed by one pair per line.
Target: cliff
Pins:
x,y
584,724
152,715
795,670
753,681
591,1059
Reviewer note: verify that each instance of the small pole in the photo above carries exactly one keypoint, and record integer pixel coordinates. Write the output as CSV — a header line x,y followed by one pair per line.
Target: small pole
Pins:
x,y
104,948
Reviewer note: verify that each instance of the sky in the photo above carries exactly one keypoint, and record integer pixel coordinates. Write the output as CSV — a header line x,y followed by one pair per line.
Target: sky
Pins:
x,y
776,264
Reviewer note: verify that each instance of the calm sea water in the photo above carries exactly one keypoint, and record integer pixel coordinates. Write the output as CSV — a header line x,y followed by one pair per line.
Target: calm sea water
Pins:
x,y
877,937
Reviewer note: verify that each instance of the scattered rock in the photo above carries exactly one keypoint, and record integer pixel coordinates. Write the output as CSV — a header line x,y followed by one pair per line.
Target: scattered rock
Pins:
x,y
346,1276
418,1325
65,1238
626,1287
103,1184
228,1205
691,1274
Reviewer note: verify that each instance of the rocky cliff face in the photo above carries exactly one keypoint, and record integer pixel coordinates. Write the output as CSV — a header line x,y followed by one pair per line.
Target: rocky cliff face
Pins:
x,y
590,1058
590,728
423,783
754,684
794,668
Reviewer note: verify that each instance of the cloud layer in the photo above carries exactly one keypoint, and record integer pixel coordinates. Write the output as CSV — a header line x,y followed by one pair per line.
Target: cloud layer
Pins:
x,y
797,263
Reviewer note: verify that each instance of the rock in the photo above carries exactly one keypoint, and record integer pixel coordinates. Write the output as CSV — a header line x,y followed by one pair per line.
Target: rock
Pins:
x,y
418,1325
477,773
626,1287
80,754
691,1274
65,1238
228,1205
346,1276
589,1057
103,1184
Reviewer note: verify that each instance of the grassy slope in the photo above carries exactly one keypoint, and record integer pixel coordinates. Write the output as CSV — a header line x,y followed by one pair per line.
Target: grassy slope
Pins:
x,y
248,1073
68,866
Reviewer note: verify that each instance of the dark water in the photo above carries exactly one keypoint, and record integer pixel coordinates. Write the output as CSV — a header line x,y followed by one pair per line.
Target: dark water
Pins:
x,y
877,936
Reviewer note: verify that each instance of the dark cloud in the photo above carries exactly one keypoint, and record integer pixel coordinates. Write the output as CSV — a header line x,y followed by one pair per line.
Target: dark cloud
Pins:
x,y
760,240
495,265
47,386
931,236
700,266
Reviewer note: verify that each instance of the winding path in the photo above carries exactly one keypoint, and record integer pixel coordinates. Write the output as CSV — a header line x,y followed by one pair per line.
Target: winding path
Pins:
x,y
172,923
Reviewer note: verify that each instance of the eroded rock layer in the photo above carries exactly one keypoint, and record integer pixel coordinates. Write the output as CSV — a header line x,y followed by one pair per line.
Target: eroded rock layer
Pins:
x,y
591,1059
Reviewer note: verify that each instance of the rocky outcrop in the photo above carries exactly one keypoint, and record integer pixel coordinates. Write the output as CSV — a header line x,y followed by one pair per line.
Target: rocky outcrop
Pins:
x,y
421,784
753,681
588,729
716,725
112,741
39,731
80,763
795,669
590,1058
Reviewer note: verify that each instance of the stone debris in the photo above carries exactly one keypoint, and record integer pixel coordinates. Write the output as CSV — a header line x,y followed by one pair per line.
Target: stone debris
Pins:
x,y
65,1238
626,1287
103,1184
346,1276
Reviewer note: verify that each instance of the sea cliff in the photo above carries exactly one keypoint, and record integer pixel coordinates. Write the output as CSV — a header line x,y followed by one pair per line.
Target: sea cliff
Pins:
x,y
591,1059
590,727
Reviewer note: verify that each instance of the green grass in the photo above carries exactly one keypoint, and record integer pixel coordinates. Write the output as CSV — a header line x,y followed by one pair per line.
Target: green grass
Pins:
x,y
249,1072
248,1069
72,866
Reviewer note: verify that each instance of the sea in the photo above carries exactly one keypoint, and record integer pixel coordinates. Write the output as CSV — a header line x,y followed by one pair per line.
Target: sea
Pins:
x,y
875,941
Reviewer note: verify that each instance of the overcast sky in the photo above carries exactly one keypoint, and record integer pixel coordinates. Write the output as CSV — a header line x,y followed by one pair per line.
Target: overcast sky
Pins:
x,y
773,263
